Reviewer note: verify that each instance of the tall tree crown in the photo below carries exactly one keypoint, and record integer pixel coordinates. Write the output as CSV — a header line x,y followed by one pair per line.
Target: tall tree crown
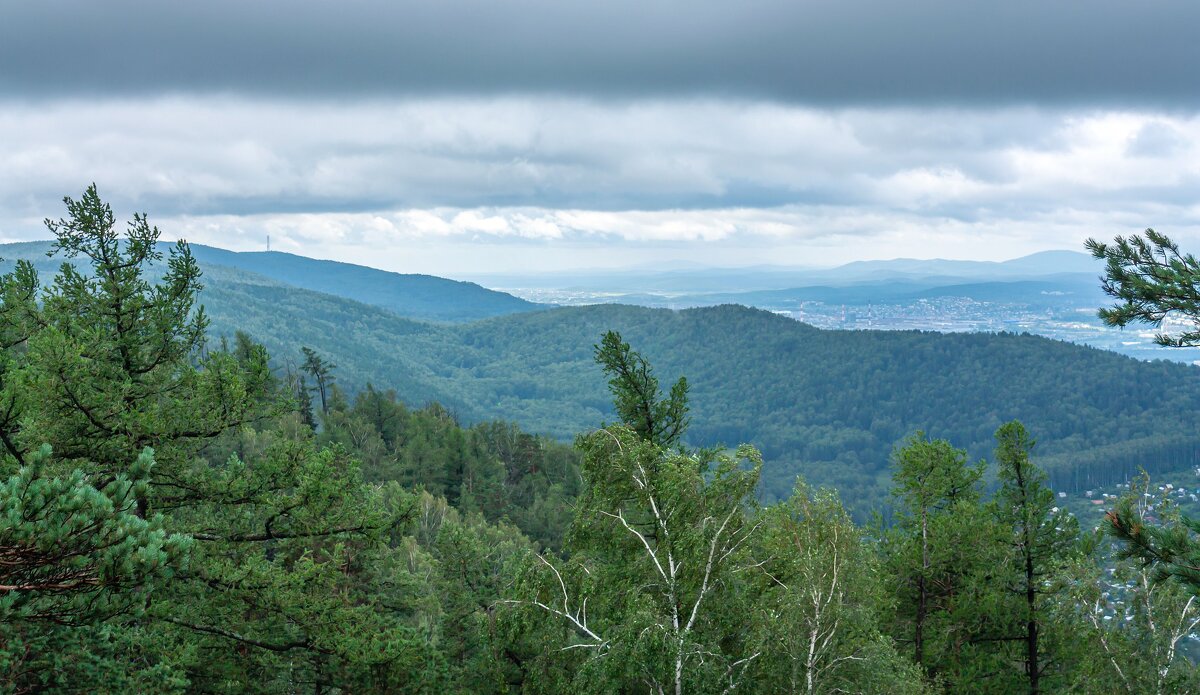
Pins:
x,y
636,395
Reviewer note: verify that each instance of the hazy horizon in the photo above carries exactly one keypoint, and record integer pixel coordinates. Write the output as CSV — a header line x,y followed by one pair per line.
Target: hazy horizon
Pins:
x,y
667,265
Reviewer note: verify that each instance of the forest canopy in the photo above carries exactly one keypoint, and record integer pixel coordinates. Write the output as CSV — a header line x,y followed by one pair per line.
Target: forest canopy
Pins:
x,y
177,515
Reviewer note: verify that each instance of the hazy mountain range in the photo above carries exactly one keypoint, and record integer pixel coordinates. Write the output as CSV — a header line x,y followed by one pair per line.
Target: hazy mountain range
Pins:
x,y
422,297
673,279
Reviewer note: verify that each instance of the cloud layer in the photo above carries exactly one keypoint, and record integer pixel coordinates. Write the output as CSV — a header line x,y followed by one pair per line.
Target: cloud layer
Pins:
x,y
824,52
468,184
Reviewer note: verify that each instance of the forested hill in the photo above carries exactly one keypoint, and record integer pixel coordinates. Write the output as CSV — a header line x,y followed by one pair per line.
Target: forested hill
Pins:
x,y
832,404
828,404
423,297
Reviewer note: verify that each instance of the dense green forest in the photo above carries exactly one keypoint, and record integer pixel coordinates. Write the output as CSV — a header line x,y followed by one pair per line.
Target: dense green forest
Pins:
x,y
830,405
178,515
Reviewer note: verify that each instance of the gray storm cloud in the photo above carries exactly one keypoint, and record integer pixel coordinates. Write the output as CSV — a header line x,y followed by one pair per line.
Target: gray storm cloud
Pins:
x,y
479,181
1133,54
235,156
475,135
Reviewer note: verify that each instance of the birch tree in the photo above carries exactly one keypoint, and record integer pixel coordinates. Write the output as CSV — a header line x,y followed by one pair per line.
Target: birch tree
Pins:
x,y
1137,629
650,595
818,615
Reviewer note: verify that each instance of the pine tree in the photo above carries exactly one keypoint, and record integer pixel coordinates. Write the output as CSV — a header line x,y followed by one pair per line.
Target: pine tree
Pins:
x,y
94,360
636,396
942,553
322,372
1042,538
1151,279
72,559
932,479
286,570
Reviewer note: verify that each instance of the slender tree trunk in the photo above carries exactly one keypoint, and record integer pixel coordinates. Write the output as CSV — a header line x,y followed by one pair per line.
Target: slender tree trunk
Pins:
x,y
811,665
919,637
1031,626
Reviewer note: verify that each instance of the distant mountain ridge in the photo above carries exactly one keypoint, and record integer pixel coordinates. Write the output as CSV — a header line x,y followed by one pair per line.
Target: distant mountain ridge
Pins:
x,y
1041,263
1077,289
756,278
422,297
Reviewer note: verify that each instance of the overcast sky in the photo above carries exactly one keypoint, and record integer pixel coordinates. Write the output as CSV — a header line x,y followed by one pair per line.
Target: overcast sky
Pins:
x,y
456,136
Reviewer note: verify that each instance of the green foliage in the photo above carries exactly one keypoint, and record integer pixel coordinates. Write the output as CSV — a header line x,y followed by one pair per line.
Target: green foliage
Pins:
x,y
74,561
819,612
100,364
944,554
76,554
830,405
649,596
1132,630
1171,549
1043,539
285,583
797,393
477,562
321,371
636,396
1151,280
388,548
494,468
